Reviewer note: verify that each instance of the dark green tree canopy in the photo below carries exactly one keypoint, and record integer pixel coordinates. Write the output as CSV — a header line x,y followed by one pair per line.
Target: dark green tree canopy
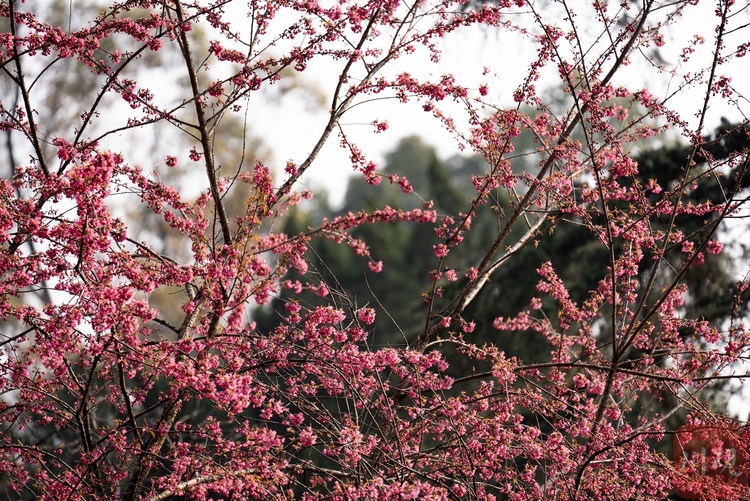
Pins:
x,y
576,254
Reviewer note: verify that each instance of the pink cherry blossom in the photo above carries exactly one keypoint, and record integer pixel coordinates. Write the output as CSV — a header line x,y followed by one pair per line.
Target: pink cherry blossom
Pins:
x,y
138,362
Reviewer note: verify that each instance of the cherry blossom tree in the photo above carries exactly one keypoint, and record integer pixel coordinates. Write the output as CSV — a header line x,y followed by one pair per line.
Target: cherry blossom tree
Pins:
x,y
103,397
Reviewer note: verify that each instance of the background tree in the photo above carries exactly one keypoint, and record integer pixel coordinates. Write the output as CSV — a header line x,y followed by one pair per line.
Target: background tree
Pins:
x,y
574,251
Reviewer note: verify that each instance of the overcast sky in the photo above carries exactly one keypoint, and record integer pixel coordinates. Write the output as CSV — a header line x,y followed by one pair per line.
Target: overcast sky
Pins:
x,y
290,127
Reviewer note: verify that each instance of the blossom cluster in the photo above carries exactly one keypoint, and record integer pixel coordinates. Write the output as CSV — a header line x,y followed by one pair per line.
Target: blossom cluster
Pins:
x,y
105,394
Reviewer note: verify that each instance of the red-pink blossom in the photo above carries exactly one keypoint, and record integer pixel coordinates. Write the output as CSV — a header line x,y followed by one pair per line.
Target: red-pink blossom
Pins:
x,y
132,365
366,315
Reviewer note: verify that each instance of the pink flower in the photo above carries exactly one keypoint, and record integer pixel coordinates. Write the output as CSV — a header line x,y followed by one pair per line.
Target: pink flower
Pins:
x,y
380,126
216,89
714,247
155,44
307,438
376,267
405,185
171,161
366,315
441,250
296,419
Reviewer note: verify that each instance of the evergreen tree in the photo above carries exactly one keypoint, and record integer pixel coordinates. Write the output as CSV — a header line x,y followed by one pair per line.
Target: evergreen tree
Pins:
x,y
574,251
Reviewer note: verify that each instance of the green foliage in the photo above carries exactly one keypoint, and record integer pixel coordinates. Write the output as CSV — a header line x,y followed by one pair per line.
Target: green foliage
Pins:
x,y
575,252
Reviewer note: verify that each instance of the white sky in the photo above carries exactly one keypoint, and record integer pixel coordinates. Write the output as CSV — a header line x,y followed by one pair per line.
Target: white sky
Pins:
x,y
289,129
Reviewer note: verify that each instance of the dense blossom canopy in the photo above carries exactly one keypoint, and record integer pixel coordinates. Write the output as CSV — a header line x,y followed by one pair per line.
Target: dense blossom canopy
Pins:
x,y
109,394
